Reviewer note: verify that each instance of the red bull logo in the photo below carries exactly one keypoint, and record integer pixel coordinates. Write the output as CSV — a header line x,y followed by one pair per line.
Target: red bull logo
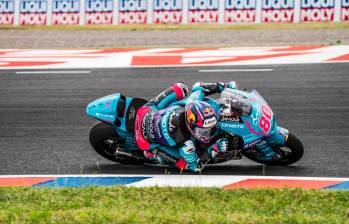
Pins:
x,y
208,112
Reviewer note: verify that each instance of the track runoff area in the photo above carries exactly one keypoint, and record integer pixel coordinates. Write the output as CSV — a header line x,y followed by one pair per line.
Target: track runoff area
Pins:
x,y
44,93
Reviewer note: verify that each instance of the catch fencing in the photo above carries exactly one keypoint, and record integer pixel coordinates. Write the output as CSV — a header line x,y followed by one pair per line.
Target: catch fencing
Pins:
x,y
113,12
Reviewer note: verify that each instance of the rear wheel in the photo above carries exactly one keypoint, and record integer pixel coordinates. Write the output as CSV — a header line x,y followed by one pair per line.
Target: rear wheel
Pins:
x,y
105,141
290,153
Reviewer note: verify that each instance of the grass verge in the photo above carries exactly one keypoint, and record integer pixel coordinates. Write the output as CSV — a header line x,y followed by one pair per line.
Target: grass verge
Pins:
x,y
136,27
172,205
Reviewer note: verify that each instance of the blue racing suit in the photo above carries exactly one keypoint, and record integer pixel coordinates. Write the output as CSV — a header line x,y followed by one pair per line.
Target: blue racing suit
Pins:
x,y
157,123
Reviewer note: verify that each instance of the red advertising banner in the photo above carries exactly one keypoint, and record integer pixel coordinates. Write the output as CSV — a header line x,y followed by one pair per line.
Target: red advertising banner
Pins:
x,y
317,10
6,12
65,12
132,11
203,11
99,12
278,11
33,12
345,10
168,11
240,11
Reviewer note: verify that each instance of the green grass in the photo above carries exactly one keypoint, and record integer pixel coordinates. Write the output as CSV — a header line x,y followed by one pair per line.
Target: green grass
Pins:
x,y
172,205
136,27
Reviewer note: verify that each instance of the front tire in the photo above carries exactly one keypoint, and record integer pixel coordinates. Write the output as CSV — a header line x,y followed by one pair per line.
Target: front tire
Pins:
x,y
101,135
295,152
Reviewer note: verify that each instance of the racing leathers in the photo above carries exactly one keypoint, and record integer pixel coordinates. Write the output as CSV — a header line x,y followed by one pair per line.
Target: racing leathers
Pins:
x,y
158,123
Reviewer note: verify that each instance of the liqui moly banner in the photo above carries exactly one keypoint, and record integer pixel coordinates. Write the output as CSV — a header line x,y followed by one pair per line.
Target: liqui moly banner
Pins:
x,y
7,8
345,10
278,10
203,11
317,10
168,11
133,11
98,12
237,11
33,12
65,12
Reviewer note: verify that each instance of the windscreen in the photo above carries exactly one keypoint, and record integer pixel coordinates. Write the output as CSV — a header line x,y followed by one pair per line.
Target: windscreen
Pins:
x,y
234,105
259,96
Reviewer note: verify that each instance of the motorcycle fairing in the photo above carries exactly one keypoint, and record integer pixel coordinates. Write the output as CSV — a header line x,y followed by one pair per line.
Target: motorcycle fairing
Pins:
x,y
250,130
117,110
105,109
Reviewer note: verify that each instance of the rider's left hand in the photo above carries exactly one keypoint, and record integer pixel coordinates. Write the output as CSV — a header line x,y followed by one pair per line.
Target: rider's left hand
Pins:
x,y
220,146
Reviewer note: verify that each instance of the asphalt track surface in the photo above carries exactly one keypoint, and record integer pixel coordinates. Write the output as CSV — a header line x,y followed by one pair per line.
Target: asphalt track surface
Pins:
x,y
44,130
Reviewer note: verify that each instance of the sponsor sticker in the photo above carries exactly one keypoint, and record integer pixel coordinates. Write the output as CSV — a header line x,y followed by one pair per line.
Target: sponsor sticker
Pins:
x,y
211,122
230,125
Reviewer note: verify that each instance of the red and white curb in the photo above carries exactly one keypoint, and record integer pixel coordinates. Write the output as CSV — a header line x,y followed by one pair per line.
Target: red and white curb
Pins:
x,y
159,57
218,181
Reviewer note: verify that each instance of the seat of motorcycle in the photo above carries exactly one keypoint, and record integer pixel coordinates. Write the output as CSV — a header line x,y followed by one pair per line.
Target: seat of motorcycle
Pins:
x,y
134,105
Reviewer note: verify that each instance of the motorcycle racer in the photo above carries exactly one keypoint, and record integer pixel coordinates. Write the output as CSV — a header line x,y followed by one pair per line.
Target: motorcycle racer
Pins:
x,y
183,125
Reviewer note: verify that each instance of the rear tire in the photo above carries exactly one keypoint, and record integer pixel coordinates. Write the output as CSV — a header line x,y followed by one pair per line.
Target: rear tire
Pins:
x,y
292,143
99,134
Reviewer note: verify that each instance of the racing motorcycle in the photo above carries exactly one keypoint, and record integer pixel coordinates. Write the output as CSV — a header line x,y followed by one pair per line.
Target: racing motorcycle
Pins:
x,y
245,118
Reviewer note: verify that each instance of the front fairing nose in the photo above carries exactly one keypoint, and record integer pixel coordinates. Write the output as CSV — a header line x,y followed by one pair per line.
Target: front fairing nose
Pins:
x,y
103,108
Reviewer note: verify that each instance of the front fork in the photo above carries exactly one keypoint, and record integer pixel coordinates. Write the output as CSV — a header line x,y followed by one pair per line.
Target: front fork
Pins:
x,y
278,138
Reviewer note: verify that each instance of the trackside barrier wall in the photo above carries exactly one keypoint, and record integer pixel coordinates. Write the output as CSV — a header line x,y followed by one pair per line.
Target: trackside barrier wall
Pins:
x,y
104,12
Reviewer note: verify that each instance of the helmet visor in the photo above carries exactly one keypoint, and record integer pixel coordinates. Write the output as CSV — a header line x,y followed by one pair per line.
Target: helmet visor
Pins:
x,y
203,134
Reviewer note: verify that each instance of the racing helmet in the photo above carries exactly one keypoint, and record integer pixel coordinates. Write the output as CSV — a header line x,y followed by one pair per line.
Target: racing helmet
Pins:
x,y
201,120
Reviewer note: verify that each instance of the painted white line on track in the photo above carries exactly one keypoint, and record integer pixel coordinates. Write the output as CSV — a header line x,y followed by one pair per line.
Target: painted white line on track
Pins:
x,y
239,70
54,72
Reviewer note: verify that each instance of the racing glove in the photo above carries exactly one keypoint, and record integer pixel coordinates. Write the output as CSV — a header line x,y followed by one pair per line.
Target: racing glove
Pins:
x,y
187,152
221,145
230,85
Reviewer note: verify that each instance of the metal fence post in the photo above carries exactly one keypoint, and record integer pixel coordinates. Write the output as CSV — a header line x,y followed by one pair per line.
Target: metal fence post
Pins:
x,y
258,11
221,10
49,13
116,12
337,10
16,12
185,11
82,12
150,11
297,11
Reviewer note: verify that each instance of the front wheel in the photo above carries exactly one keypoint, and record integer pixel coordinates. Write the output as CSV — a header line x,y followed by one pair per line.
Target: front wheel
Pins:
x,y
104,139
290,153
